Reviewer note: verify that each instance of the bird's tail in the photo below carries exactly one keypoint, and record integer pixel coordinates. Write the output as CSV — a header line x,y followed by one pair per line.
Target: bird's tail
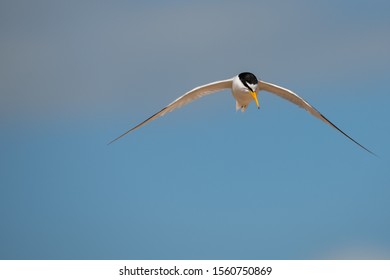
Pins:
x,y
239,106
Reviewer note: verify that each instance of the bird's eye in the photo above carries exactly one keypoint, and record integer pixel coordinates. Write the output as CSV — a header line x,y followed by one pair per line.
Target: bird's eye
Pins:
x,y
248,87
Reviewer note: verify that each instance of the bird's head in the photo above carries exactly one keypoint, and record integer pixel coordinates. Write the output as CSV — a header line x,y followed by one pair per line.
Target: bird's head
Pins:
x,y
250,84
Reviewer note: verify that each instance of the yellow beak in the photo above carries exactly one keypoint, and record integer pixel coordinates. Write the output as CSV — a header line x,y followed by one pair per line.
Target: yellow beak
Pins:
x,y
254,95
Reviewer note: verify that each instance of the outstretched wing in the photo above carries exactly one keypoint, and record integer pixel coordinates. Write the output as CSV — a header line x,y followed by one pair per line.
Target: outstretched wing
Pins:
x,y
294,98
185,99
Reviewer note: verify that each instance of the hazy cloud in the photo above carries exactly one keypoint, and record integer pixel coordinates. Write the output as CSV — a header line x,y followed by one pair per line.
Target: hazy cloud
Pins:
x,y
80,57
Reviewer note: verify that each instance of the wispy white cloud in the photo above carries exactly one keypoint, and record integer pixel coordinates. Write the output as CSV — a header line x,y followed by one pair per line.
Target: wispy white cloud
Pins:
x,y
357,252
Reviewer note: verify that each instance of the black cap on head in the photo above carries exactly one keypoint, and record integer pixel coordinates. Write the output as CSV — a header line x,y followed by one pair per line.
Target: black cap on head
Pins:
x,y
248,78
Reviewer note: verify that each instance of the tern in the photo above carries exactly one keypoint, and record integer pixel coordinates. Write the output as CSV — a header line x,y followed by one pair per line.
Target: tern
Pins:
x,y
245,88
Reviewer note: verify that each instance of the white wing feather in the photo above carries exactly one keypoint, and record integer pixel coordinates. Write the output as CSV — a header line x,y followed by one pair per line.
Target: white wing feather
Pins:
x,y
292,97
296,99
185,99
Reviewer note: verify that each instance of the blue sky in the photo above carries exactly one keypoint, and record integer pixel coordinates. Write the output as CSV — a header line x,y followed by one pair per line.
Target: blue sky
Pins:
x,y
203,182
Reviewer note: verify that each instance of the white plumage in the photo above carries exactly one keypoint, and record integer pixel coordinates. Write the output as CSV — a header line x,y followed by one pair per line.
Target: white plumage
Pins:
x,y
244,87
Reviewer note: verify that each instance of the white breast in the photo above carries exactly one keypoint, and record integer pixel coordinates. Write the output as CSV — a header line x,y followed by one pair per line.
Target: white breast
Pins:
x,y
241,94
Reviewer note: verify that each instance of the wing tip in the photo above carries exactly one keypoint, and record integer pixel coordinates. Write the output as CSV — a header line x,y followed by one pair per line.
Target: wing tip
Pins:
x,y
349,137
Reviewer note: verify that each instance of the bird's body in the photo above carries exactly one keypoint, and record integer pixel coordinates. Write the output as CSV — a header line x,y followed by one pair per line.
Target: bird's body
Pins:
x,y
241,88
245,88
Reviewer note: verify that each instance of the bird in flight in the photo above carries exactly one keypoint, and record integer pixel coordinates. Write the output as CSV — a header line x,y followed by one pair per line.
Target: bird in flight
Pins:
x,y
245,88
